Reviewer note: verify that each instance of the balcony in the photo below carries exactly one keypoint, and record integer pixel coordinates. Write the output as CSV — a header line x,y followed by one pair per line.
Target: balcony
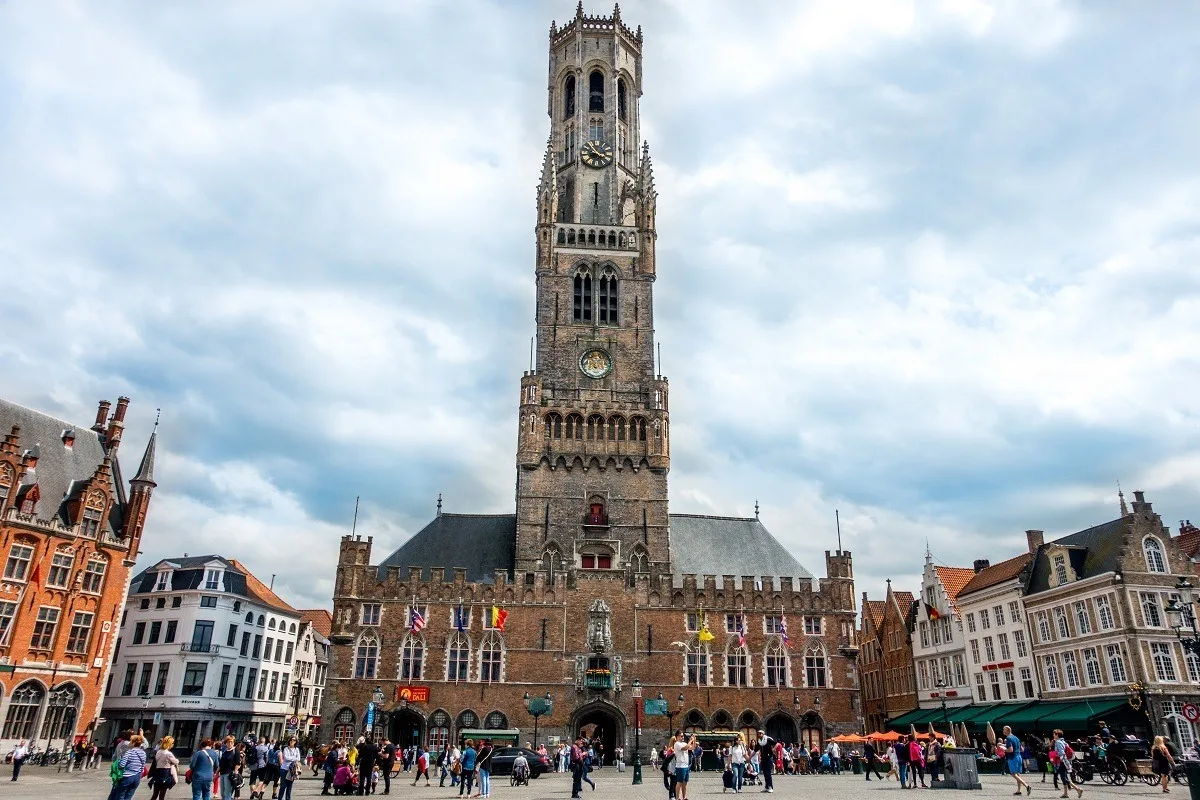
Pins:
x,y
199,647
598,679
596,237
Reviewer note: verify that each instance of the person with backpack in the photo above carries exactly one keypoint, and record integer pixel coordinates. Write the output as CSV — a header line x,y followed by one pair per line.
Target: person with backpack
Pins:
x,y
1012,757
1061,755
202,769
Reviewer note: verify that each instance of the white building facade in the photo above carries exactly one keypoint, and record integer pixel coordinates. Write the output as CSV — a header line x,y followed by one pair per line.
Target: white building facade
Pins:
x,y
937,642
205,650
999,650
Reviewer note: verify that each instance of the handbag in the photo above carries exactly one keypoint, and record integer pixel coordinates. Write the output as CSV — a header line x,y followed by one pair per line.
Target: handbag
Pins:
x,y
187,776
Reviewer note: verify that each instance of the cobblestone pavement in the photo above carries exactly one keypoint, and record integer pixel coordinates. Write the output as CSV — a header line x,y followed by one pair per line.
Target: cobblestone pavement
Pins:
x,y
48,784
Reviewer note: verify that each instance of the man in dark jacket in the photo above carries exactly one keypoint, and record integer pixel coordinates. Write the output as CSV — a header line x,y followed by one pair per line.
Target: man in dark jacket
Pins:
x,y
368,754
902,761
766,759
871,757
387,762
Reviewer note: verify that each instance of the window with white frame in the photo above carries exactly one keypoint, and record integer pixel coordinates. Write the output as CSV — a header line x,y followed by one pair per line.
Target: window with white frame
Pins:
x,y
164,581
1051,668
1083,620
1151,615
1027,682
1043,626
984,619
1104,612
979,687
1010,684
1164,661
1019,642
60,569
937,632
412,659
458,656
491,658
1187,732
366,656
960,672
1060,622
989,649
44,628
1091,664
692,623
19,556
1002,640
371,613
772,623
93,575
975,651
814,667
1014,612
696,662
776,662
971,623
924,634
1060,569
737,670
994,679
1155,560
1071,669
812,626
998,612
1116,664
947,630
923,675
212,579
1193,666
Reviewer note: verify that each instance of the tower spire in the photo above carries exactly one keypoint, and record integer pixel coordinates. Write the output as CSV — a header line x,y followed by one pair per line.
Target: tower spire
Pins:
x,y
145,473
1121,496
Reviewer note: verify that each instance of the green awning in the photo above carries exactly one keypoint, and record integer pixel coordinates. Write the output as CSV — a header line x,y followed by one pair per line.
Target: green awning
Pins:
x,y
918,716
1026,715
978,716
1078,716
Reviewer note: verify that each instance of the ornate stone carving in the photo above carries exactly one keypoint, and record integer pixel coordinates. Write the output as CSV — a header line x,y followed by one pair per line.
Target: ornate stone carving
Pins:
x,y
599,627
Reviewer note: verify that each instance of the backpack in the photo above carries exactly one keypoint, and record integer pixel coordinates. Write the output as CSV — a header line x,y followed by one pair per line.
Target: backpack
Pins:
x,y
1070,753
116,771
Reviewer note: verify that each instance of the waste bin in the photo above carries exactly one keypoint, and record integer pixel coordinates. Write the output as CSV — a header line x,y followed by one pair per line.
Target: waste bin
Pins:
x,y
962,772
856,764
1192,770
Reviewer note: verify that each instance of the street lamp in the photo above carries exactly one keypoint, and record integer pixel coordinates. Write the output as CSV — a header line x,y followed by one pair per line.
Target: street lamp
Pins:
x,y
1182,618
796,703
537,706
637,732
671,714
941,687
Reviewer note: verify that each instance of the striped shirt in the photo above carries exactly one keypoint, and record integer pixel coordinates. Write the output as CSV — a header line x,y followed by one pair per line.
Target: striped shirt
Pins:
x,y
133,762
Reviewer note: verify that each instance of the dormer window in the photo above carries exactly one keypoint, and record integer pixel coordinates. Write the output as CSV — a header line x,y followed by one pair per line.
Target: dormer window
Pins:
x,y
1060,569
68,438
212,579
90,524
164,579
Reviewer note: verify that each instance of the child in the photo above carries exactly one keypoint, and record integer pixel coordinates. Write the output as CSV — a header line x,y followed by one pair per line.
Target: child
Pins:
x,y
343,779
375,776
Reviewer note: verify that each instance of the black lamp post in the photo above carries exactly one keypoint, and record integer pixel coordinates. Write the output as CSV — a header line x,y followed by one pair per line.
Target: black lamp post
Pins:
x,y
1182,618
637,732
671,714
538,706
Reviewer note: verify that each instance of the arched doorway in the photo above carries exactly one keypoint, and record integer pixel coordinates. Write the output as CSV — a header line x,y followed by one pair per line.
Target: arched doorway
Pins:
x,y
603,725
781,727
406,727
812,730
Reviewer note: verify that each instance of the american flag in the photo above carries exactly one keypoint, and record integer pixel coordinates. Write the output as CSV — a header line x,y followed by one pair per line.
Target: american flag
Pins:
x,y
783,630
416,620
741,630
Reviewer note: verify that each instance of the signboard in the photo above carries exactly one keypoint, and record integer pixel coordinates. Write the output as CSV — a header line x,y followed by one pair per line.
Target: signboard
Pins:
x,y
370,722
293,722
158,718
413,694
540,705
315,721
656,708
1191,712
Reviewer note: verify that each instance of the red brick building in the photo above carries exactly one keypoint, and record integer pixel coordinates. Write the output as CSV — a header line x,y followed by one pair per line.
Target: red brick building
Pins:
x,y
70,527
606,592
888,685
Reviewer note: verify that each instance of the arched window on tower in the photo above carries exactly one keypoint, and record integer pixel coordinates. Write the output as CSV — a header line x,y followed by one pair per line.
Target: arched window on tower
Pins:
x,y
637,429
607,300
366,656
621,110
639,562
569,97
737,665
595,428
458,656
596,91
554,426
814,667
552,563
491,658
574,426
412,659
776,664
583,297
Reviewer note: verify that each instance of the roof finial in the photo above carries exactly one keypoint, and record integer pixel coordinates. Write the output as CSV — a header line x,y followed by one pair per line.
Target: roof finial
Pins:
x,y
756,509
439,504
579,10
838,521
1121,495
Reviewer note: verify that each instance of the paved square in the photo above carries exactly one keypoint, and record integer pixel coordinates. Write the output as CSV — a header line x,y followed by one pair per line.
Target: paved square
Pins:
x,y
48,783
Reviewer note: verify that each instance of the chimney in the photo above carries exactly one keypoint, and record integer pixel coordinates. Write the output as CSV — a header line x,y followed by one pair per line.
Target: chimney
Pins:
x,y
981,564
101,416
1139,502
112,439
1035,540
122,407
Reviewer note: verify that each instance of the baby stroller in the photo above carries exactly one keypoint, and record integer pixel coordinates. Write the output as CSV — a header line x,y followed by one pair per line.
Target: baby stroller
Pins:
x,y
750,776
520,775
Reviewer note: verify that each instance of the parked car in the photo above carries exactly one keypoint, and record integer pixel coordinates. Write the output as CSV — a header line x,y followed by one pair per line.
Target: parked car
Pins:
x,y
504,757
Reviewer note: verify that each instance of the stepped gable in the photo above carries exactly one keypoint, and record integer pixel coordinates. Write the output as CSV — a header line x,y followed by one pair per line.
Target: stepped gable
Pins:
x,y
954,579
479,543
729,546
320,619
59,468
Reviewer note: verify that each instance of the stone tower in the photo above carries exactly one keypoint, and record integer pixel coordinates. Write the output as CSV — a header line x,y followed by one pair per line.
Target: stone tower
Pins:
x,y
593,446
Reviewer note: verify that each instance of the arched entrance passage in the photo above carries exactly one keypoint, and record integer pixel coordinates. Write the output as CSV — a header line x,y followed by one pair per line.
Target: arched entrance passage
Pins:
x,y
603,724
406,727
812,730
781,727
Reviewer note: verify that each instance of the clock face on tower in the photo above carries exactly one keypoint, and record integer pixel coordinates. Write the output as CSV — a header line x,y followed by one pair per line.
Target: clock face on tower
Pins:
x,y
597,154
595,363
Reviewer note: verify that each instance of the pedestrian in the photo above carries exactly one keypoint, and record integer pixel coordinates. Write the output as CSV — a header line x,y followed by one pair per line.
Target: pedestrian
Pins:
x,y
766,757
422,767
164,774
589,759
227,764
387,764
368,754
916,761
466,780
289,768
131,765
329,766
893,762
483,765
933,758
203,767
1164,762
1012,751
835,757
682,750
871,760
19,754
455,766
737,762
902,759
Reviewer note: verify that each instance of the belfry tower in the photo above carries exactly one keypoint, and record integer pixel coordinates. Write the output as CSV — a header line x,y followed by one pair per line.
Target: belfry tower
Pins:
x,y
593,448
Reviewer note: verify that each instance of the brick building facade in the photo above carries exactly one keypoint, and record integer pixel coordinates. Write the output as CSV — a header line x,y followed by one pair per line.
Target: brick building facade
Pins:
x,y
603,587
888,684
69,532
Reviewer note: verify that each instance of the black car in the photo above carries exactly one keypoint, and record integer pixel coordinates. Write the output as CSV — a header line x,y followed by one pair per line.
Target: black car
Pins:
x,y
503,758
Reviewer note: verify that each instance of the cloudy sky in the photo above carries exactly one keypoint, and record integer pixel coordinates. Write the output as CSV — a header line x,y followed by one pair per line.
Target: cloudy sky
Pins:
x,y
932,264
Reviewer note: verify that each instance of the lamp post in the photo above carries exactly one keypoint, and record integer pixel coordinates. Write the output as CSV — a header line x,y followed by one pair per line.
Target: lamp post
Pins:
x,y
1182,618
671,714
637,732
537,706
941,687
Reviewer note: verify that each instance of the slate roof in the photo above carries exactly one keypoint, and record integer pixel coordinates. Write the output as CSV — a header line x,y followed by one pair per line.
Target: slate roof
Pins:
x,y
729,546
953,580
1094,551
60,468
320,619
997,573
188,573
700,545
482,543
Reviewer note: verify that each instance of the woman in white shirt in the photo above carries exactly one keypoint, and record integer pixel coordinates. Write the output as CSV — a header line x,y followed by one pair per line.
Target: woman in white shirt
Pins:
x,y
683,755
737,762
288,757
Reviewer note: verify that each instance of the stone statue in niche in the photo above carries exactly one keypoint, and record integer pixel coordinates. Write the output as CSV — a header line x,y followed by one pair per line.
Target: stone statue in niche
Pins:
x,y
599,627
